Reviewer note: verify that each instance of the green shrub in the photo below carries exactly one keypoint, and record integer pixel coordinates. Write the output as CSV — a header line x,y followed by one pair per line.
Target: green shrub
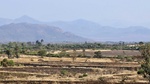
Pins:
x,y
102,80
120,57
80,76
6,63
49,55
32,53
80,55
54,55
129,59
4,60
11,63
63,72
63,54
97,54
141,71
42,53
85,74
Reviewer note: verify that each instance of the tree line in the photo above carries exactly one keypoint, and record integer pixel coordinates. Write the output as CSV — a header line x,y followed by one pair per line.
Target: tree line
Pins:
x,y
13,49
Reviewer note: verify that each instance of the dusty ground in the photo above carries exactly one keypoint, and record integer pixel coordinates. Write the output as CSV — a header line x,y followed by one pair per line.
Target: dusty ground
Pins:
x,y
115,75
110,53
25,58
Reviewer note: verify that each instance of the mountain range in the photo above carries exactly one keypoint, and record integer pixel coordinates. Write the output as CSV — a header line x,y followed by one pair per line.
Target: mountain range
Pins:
x,y
97,32
75,31
24,32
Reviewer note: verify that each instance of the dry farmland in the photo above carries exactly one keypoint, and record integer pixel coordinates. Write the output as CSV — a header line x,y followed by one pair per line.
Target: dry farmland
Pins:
x,y
83,70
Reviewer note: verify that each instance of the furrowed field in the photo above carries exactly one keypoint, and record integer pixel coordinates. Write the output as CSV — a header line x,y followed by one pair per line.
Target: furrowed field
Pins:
x,y
71,66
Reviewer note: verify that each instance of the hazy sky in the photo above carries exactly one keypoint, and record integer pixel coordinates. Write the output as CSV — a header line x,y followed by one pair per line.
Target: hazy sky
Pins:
x,y
118,13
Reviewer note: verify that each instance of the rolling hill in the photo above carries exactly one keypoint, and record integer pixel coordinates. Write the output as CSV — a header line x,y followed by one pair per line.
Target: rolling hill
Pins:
x,y
88,29
97,32
31,32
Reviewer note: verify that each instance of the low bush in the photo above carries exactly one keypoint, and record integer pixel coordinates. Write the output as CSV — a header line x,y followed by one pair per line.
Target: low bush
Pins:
x,y
102,80
129,58
6,63
63,72
97,54
42,53
31,53
85,74
120,57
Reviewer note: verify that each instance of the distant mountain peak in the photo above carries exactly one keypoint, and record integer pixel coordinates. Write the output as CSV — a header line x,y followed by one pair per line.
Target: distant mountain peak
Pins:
x,y
85,22
25,19
81,20
25,32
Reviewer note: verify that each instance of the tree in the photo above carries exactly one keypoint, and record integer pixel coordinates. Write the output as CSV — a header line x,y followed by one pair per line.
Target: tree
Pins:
x,y
98,54
63,53
23,50
83,52
8,52
6,63
141,43
42,53
74,55
145,66
42,40
16,49
38,43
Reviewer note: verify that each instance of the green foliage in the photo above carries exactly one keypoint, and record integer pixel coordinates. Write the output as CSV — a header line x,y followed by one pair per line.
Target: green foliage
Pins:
x,y
49,55
64,72
42,53
4,60
80,76
55,55
52,55
11,63
145,66
85,74
80,55
141,71
98,54
123,58
6,63
129,58
8,52
32,53
16,51
63,53
120,57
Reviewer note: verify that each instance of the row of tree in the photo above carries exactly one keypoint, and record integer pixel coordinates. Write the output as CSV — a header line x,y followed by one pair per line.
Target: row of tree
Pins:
x,y
13,49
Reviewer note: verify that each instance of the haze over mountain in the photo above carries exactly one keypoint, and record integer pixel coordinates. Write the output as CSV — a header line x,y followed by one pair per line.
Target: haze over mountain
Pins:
x,y
26,19
97,32
24,32
22,19
89,29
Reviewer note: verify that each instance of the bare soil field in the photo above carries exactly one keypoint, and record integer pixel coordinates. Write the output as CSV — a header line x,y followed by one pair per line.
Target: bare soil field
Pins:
x,y
107,53
53,70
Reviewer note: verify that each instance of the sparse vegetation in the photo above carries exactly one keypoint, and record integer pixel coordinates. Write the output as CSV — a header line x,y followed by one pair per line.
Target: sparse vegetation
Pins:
x,y
42,53
145,66
98,54
67,62
64,72
6,63
121,57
